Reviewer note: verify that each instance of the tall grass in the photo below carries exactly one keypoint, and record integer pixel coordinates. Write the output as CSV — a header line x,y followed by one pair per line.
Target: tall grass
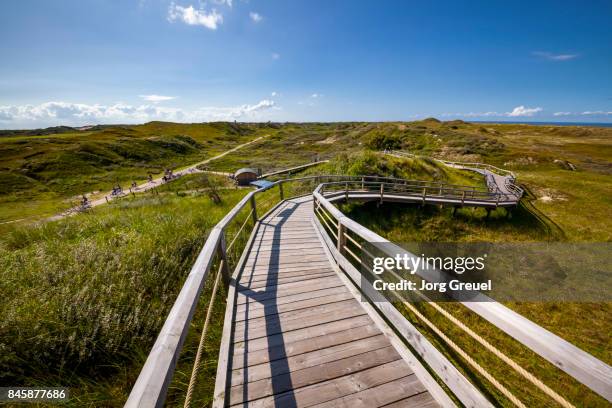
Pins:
x,y
84,297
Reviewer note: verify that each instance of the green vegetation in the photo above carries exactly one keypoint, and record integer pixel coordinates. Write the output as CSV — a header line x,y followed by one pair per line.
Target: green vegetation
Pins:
x,y
40,175
86,295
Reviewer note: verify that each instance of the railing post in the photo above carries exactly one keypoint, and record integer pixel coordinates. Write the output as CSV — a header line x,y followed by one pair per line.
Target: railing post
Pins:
x,y
462,196
363,183
222,251
346,191
382,192
254,208
424,194
280,189
341,238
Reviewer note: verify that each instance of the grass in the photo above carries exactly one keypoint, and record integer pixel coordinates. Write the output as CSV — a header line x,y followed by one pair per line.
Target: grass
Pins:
x,y
87,295
41,175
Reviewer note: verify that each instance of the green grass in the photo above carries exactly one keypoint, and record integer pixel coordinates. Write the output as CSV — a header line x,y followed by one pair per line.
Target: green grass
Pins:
x,y
85,297
42,175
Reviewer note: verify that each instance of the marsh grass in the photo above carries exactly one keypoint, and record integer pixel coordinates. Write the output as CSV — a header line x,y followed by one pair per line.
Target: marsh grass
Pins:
x,y
87,295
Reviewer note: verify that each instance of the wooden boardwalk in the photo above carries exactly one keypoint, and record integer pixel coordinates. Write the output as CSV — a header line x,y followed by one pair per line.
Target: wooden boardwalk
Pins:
x,y
300,337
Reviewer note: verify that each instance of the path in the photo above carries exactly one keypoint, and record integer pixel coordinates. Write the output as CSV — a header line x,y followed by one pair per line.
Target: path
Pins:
x,y
159,181
299,335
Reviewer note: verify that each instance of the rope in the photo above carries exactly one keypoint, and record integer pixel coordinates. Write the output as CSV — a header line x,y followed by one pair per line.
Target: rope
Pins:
x,y
196,363
466,357
246,220
526,374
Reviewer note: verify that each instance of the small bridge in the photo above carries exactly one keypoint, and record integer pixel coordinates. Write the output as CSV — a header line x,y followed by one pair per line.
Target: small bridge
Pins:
x,y
303,329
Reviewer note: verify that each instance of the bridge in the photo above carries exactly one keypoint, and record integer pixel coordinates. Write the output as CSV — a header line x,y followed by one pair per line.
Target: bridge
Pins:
x,y
302,328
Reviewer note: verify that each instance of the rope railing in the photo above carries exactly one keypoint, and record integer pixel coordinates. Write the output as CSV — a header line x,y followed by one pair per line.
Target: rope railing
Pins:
x,y
582,366
152,384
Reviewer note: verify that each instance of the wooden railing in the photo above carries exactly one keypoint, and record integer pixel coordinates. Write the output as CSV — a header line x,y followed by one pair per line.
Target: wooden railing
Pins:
x,y
486,169
348,241
152,384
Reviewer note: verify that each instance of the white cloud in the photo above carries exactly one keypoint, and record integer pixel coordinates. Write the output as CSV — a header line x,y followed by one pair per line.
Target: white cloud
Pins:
x,y
273,94
523,111
599,112
223,2
191,16
256,17
65,113
315,95
157,98
554,57
275,55
562,113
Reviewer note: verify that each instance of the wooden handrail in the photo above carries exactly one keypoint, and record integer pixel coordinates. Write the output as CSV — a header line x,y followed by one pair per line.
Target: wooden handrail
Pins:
x,y
579,364
152,384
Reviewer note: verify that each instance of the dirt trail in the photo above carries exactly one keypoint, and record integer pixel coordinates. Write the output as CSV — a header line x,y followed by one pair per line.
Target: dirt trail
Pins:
x,y
158,181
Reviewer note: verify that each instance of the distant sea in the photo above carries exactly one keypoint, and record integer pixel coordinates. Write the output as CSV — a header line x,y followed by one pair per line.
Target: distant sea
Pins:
x,y
592,124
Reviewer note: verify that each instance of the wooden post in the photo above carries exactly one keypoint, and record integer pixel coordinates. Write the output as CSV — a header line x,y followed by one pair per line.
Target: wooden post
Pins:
x,y
363,183
488,212
221,250
463,197
254,208
280,189
382,192
346,191
424,194
341,238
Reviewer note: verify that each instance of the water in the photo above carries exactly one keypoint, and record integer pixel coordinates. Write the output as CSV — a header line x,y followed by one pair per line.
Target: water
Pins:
x,y
591,124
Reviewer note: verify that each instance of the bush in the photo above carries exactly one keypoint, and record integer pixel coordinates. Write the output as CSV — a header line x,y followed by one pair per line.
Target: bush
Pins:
x,y
384,141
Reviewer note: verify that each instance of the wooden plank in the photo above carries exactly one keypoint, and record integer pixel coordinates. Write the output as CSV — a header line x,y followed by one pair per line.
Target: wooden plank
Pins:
x,y
276,280
288,289
285,260
301,334
332,389
282,251
279,288
311,359
285,317
293,348
299,246
290,298
283,327
389,393
312,375
423,400
267,274
289,240
305,345
294,266
254,312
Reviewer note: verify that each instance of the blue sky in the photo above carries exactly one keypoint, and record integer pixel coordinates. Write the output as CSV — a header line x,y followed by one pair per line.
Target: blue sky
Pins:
x,y
102,61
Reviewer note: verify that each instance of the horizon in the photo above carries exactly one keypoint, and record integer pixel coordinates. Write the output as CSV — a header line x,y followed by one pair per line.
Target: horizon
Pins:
x,y
221,60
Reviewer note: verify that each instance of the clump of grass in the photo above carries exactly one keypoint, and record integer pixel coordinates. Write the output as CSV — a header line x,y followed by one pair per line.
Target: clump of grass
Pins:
x,y
86,296
379,164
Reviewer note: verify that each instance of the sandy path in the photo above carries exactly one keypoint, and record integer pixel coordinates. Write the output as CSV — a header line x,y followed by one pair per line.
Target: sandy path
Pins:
x,y
158,181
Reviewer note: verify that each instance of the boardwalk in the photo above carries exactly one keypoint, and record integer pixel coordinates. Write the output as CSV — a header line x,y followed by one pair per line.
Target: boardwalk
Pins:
x,y
300,337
